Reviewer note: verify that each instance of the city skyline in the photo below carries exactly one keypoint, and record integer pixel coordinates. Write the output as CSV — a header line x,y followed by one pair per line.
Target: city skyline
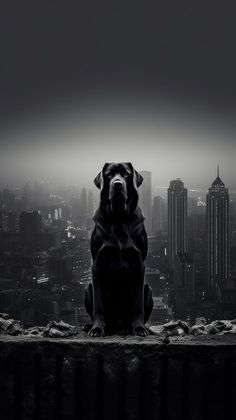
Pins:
x,y
157,189
45,241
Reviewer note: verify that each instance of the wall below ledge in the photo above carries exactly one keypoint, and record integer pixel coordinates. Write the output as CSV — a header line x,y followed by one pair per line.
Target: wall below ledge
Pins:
x,y
117,378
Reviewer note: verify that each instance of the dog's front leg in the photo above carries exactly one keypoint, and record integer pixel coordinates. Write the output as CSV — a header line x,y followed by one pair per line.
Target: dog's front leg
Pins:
x,y
98,309
138,318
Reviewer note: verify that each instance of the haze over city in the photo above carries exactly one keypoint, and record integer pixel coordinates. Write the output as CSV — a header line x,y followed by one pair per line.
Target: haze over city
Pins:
x,y
151,84
69,145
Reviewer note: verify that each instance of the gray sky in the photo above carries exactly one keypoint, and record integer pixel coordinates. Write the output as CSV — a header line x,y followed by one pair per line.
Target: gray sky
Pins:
x,y
71,144
83,82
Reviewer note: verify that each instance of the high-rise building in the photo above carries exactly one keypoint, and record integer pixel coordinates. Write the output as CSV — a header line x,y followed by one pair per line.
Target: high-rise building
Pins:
x,y
217,234
30,222
30,226
75,210
90,204
83,208
183,284
177,221
145,199
26,197
158,214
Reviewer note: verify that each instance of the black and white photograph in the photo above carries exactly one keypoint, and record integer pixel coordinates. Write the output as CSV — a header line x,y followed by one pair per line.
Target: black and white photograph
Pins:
x,y
117,210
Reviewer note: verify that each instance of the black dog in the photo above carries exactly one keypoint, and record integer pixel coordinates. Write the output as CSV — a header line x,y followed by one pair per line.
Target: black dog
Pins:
x,y
117,298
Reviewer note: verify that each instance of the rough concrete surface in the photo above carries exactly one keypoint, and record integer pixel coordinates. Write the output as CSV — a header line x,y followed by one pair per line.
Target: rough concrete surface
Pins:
x,y
59,372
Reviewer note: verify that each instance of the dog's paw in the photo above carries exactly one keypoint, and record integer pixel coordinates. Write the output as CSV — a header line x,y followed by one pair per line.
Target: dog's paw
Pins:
x,y
87,327
140,330
97,332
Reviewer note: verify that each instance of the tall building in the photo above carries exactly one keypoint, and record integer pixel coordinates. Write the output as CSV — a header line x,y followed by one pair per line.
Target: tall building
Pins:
x,y
90,204
75,210
158,214
183,285
26,197
217,234
83,208
30,226
30,222
177,221
145,199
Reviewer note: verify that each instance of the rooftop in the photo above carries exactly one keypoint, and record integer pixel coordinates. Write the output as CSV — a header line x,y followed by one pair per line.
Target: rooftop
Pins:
x,y
118,377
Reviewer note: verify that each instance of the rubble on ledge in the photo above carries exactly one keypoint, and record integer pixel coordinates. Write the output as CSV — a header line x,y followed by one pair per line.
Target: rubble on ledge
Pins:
x,y
53,329
61,329
200,327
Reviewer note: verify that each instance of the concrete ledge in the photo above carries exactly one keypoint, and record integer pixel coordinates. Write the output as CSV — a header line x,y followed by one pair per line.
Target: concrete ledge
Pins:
x,y
118,377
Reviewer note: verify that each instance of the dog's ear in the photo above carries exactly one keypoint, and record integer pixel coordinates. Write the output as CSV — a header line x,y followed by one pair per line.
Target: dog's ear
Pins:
x,y
139,178
105,166
98,180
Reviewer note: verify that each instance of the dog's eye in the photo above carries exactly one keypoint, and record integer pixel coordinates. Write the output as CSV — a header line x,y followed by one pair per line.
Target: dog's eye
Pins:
x,y
108,174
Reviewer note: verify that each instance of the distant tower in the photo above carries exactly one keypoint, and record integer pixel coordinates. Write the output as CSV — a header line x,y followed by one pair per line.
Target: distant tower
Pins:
x,y
158,214
30,226
217,201
177,220
145,199
75,210
90,204
26,197
84,207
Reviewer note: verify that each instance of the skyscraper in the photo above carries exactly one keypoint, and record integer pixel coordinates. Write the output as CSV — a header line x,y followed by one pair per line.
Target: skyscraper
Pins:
x,y
158,214
30,226
90,204
84,207
145,199
217,234
183,285
177,220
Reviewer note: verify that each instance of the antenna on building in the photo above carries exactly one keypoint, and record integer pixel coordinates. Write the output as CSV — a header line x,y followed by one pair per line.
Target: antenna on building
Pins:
x,y
218,171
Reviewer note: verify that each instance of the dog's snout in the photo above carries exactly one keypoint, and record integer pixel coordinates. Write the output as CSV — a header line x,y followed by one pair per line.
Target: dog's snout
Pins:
x,y
117,187
118,183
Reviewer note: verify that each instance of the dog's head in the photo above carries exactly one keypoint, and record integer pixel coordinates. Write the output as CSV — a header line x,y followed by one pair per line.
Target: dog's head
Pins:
x,y
118,183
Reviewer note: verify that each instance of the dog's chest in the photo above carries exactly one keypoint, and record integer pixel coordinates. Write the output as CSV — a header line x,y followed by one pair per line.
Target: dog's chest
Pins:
x,y
119,253
121,238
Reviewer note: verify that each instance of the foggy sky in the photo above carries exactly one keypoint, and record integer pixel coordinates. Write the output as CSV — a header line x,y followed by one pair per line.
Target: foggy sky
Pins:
x,y
143,81
71,146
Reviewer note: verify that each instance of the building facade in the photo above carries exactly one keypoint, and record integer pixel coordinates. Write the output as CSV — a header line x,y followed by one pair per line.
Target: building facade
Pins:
x,y
158,214
145,199
217,212
177,221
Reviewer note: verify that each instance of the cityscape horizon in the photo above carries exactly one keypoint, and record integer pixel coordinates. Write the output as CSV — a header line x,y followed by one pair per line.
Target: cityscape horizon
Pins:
x,y
44,252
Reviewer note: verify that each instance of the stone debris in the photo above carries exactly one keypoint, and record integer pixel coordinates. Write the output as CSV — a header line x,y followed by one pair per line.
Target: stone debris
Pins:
x,y
10,326
53,329
215,327
59,329
200,321
4,316
157,330
34,331
173,328
200,327
178,328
